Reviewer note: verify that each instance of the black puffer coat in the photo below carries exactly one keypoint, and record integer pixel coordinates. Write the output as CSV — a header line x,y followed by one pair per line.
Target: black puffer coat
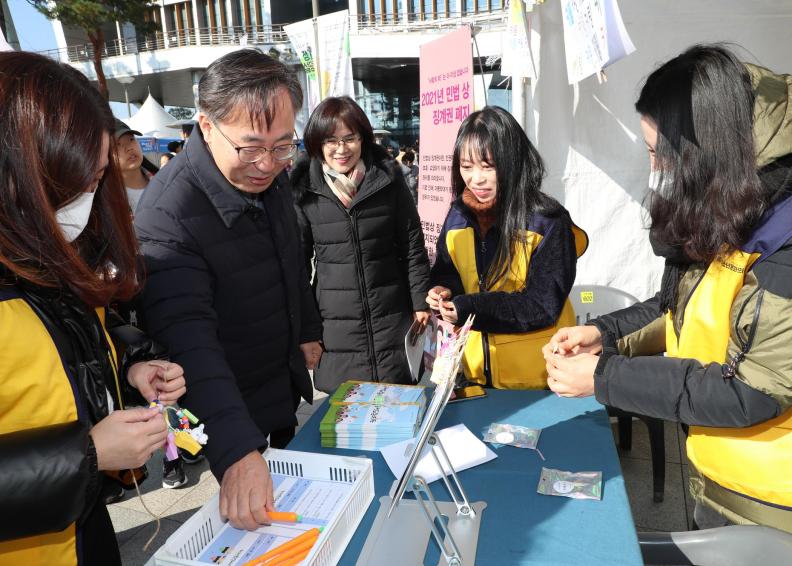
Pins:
x,y
372,270
227,293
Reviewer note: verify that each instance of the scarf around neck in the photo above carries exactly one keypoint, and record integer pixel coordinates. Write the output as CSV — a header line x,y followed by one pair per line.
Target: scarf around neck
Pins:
x,y
486,213
676,263
344,187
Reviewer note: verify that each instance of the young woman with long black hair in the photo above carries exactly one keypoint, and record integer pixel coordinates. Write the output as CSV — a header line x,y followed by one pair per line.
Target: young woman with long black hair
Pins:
x,y
720,140
507,253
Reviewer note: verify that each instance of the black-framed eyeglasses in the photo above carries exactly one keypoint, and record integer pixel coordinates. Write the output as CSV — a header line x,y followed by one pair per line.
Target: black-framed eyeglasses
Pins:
x,y
333,143
254,153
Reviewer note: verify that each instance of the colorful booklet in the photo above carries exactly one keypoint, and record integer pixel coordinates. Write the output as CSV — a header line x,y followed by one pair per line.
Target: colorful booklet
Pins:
x,y
377,393
366,416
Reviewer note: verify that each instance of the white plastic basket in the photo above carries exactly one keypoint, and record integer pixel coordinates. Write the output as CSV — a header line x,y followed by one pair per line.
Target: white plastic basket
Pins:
x,y
198,531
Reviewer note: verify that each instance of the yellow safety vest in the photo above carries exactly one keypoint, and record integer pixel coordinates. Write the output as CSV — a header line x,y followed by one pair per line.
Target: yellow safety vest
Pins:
x,y
34,392
754,461
516,360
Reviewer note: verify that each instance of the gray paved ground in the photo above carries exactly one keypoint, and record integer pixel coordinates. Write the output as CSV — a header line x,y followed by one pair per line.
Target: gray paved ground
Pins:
x,y
134,526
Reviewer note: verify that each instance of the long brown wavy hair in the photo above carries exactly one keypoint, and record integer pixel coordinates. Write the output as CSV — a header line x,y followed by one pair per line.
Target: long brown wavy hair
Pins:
x,y
52,127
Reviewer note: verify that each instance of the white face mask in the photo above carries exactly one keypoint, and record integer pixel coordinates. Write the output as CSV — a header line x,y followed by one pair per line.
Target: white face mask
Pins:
x,y
74,216
655,180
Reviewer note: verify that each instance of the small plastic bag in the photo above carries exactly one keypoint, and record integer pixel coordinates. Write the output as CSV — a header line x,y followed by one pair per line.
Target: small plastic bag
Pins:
x,y
514,435
577,485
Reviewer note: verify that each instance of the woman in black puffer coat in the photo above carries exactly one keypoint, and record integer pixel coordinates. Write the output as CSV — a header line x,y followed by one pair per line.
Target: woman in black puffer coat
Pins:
x,y
357,216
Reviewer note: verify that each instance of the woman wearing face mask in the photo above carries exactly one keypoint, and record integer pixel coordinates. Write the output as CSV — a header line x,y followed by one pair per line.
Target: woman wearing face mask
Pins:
x,y
720,139
357,215
507,253
66,249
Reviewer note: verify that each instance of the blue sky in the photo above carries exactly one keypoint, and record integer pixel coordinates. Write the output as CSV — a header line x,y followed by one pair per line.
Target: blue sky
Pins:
x,y
33,29
36,34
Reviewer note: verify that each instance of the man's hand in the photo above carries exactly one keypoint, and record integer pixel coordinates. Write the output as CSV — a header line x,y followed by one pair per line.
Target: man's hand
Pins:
x,y
158,379
312,351
246,493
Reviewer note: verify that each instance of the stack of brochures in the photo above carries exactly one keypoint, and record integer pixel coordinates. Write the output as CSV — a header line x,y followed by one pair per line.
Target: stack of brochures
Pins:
x,y
367,416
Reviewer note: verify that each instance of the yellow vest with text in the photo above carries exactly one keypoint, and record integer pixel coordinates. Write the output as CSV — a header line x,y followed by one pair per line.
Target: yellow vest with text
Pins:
x,y
754,461
516,360
35,391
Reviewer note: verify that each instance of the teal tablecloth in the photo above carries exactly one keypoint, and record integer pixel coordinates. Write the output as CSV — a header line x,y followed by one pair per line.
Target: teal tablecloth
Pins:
x,y
519,526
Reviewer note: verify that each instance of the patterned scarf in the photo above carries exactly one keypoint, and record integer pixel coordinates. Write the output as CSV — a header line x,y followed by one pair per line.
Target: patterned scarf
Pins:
x,y
343,186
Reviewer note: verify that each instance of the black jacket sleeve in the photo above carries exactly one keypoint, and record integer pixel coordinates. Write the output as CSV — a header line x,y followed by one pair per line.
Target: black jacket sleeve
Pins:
x,y
679,389
443,272
48,479
550,277
410,245
311,322
621,323
136,347
178,304
306,239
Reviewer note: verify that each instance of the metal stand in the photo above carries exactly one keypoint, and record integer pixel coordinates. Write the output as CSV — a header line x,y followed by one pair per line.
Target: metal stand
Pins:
x,y
401,539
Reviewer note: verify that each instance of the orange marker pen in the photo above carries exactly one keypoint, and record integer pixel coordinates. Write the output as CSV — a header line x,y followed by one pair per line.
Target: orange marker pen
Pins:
x,y
284,516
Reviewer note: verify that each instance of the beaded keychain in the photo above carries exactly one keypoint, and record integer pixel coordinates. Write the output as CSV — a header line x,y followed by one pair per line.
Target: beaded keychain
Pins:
x,y
184,437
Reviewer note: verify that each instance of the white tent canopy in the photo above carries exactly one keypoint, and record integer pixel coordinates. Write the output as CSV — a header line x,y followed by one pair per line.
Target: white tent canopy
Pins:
x,y
152,120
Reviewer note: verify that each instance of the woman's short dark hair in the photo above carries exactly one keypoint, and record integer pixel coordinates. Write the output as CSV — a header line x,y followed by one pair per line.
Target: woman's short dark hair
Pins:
x,y
325,118
246,80
702,102
54,123
493,135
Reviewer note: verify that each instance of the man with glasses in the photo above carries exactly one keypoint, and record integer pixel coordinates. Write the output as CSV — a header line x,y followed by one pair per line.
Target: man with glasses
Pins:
x,y
226,289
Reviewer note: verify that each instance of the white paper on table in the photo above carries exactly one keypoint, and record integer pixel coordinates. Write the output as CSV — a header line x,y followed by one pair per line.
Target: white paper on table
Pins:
x,y
464,450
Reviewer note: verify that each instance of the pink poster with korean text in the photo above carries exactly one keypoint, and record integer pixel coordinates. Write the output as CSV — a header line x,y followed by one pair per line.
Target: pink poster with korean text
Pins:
x,y
446,71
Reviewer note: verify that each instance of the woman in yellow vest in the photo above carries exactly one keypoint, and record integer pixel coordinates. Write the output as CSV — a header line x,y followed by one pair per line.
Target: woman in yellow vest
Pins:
x,y
66,249
506,254
719,138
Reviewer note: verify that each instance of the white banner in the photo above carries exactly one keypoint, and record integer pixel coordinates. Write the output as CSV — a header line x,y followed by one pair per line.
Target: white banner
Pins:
x,y
334,61
301,36
594,36
518,58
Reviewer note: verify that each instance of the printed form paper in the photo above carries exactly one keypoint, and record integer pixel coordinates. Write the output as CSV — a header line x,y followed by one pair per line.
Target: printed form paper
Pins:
x,y
317,501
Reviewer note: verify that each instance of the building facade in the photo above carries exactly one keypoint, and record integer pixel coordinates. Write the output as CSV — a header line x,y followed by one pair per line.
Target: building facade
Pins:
x,y
385,38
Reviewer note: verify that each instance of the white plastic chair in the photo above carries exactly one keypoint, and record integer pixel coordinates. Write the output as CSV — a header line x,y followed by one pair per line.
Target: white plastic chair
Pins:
x,y
737,545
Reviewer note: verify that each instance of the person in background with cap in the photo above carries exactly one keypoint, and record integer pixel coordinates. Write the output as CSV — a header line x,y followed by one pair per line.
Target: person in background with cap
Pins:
x,y
136,172
131,161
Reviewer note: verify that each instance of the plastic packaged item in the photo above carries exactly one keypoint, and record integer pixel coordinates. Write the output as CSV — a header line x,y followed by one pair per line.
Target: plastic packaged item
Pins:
x,y
514,435
577,485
